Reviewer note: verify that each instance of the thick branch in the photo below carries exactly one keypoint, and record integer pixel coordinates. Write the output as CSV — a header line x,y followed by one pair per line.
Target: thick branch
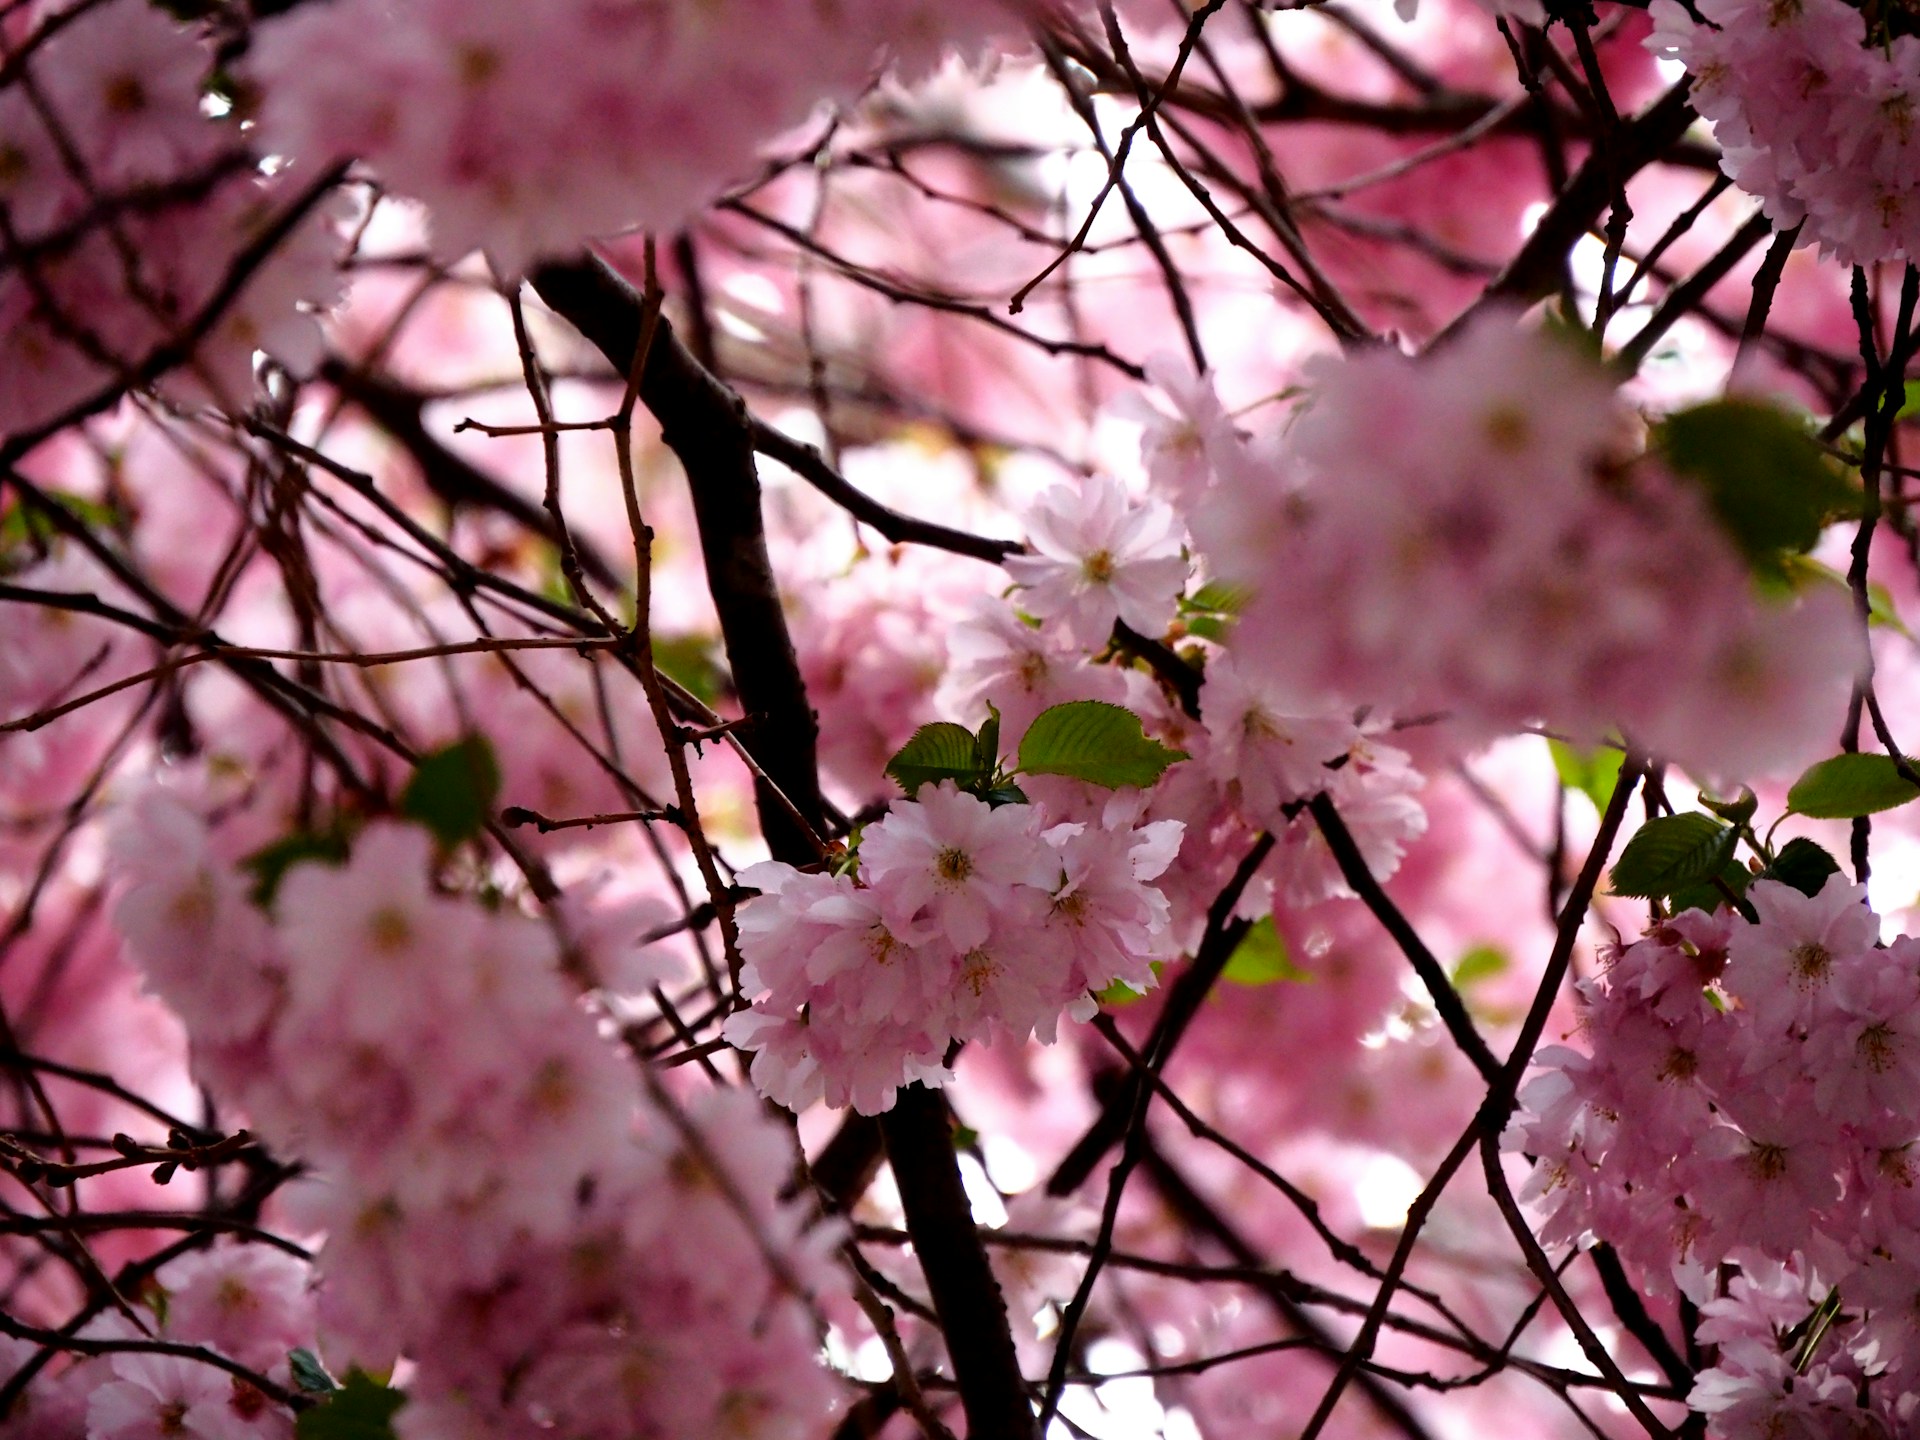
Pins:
x,y
973,1314
1534,273
706,425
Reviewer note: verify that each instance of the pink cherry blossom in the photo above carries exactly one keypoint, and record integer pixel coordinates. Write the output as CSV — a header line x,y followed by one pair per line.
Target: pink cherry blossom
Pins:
x,y
1102,555
955,859
1814,116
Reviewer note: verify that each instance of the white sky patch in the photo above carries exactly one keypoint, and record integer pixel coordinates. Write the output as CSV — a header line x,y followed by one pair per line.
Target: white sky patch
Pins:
x,y
1118,1409
1008,1163
752,294
988,1208
1893,885
1386,1187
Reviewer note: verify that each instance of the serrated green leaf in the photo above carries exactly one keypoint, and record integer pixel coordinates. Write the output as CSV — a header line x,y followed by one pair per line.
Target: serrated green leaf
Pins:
x,y
1803,865
309,1374
941,751
1849,785
270,863
1670,853
1482,962
1767,478
1093,741
1593,772
1707,895
1261,958
360,1409
453,790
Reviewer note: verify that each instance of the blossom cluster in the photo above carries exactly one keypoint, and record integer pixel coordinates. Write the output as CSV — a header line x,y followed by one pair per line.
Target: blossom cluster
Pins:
x,y
1814,115
134,222
248,1303
1751,1098
1102,554
1470,534
501,1203
527,132
963,921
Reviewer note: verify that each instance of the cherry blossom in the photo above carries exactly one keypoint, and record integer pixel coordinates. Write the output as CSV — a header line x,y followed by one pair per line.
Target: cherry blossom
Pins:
x,y
1814,113
1102,556
501,166
1444,604
962,921
1311,387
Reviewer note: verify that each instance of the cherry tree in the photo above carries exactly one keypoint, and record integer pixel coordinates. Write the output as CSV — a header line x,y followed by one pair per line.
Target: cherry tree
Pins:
x,y
847,718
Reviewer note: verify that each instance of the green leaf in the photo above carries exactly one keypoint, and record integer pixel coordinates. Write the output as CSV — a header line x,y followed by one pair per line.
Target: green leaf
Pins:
x,y
453,790
1706,895
1769,481
24,526
1882,612
1482,962
1261,958
1571,332
1849,785
1216,597
1803,865
1671,853
270,863
693,662
1593,772
309,1374
941,751
1093,741
1120,993
986,742
360,1409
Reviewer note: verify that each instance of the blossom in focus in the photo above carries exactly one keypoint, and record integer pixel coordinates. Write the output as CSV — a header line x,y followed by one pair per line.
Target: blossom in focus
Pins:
x,y
964,922
1100,555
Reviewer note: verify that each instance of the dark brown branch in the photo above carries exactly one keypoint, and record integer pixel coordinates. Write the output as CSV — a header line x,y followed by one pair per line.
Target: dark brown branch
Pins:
x,y
396,410
973,1314
706,425
1534,273
810,465
1446,1000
